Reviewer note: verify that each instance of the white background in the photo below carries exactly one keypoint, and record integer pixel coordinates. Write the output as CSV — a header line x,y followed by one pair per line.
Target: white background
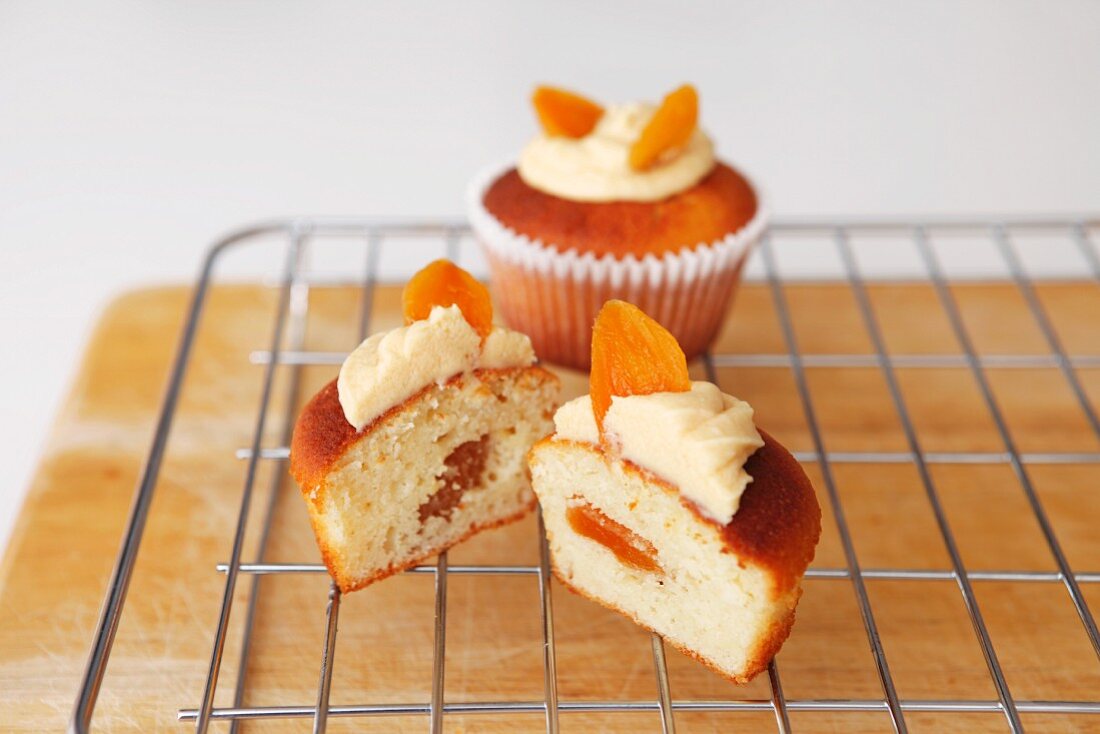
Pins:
x,y
131,134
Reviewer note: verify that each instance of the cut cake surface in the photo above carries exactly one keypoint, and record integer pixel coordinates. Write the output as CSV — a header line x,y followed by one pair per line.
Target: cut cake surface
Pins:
x,y
724,594
442,465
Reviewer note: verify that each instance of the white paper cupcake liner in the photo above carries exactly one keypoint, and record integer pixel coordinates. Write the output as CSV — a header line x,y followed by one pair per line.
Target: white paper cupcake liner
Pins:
x,y
554,295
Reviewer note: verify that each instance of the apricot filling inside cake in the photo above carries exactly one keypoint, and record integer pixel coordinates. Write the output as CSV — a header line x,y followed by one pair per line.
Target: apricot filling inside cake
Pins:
x,y
663,501
421,440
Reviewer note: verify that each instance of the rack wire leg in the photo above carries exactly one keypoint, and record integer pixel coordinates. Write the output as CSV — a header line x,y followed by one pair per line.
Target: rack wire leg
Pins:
x,y
779,701
324,688
435,724
664,694
549,660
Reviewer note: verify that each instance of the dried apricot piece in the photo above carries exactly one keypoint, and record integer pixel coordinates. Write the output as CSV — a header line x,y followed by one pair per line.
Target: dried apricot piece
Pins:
x,y
670,127
630,548
563,113
632,355
442,283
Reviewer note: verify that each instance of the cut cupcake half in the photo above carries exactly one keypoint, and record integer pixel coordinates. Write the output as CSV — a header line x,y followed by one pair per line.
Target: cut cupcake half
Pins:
x,y
662,501
421,440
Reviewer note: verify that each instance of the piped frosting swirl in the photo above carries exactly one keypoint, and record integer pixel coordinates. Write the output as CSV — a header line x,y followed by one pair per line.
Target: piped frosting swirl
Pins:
x,y
390,367
698,440
596,167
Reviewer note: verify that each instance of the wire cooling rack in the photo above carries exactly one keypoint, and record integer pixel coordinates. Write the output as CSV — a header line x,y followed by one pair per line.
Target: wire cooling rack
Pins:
x,y
290,239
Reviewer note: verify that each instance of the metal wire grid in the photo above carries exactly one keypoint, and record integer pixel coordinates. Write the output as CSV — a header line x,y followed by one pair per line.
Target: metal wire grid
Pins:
x,y
289,329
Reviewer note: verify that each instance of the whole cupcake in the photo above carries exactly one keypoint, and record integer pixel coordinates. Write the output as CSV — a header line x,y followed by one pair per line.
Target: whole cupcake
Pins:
x,y
626,202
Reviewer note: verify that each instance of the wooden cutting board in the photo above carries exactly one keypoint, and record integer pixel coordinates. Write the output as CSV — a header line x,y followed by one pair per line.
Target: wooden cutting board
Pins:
x,y
66,538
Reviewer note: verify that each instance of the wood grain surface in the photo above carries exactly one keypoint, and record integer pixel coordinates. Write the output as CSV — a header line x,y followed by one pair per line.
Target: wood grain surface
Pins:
x,y
55,569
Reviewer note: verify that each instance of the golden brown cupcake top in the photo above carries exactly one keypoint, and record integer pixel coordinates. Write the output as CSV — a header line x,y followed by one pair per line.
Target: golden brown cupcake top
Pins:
x,y
719,205
778,522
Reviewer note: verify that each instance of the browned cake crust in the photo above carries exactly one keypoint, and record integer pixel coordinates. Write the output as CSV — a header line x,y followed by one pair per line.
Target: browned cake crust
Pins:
x,y
778,522
722,203
322,433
